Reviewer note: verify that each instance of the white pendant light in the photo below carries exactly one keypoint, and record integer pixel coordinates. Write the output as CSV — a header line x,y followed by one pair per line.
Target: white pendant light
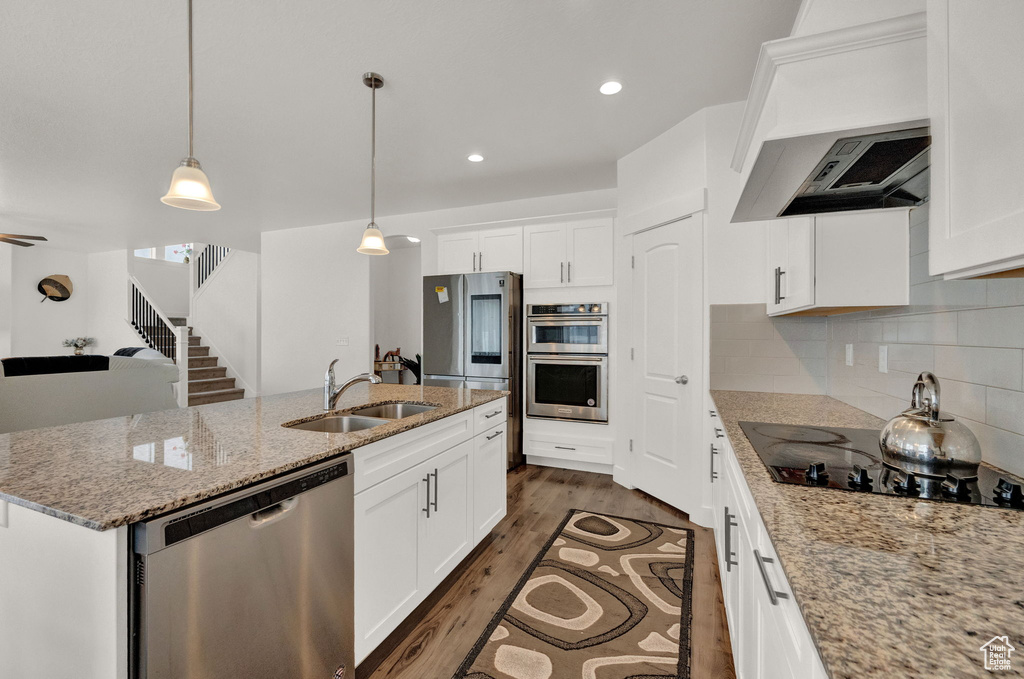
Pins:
x,y
190,189
373,239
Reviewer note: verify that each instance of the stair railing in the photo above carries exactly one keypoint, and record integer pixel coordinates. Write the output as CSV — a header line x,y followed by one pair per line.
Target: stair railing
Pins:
x,y
157,331
207,262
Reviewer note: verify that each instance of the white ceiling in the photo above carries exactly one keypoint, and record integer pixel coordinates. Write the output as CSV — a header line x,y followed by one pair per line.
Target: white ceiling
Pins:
x,y
92,105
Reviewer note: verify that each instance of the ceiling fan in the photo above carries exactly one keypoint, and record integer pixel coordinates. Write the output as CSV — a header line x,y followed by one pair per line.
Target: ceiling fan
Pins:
x,y
13,239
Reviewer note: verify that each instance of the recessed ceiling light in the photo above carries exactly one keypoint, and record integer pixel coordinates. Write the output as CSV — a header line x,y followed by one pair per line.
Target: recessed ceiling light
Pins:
x,y
611,87
475,158
413,239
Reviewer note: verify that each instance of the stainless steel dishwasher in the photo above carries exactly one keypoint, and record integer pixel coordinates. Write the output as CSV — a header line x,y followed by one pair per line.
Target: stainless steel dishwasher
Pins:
x,y
255,584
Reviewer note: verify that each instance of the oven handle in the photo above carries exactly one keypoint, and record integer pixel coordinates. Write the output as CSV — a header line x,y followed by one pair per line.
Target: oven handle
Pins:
x,y
562,358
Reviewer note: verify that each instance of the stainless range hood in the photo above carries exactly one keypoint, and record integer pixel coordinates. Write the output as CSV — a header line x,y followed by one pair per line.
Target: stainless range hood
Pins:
x,y
867,172
866,169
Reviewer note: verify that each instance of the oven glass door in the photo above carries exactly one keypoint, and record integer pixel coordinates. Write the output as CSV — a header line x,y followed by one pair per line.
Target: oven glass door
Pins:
x,y
569,335
568,387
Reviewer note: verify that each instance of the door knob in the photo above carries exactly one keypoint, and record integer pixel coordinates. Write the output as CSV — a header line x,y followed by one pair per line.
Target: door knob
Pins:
x,y
682,379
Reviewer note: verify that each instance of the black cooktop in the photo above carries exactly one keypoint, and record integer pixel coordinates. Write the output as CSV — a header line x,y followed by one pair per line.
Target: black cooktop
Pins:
x,y
850,459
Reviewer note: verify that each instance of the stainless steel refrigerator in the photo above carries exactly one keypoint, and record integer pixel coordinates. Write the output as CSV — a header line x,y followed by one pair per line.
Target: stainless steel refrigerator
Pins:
x,y
472,338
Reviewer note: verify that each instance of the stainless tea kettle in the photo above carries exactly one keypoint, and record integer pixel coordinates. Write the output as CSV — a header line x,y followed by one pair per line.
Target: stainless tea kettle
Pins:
x,y
922,442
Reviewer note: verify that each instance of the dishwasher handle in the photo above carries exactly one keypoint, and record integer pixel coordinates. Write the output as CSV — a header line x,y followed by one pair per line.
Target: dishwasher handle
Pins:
x,y
272,514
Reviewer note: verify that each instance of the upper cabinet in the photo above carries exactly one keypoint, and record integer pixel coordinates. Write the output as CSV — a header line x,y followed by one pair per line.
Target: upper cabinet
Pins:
x,y
476,251
838,263
975,64
575,254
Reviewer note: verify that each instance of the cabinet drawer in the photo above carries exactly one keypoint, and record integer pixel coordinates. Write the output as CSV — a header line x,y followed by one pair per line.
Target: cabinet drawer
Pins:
x,y
379,461
490,415
580,449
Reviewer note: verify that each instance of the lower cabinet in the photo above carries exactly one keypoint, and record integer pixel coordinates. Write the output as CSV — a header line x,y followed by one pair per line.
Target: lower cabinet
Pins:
x,y
769,637
415,526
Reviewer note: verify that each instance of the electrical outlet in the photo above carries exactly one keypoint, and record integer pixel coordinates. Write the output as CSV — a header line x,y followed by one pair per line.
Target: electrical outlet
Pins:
x,y
883,359
849,354
342,342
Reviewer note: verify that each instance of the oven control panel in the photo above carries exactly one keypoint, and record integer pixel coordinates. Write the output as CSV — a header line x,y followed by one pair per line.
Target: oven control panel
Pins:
x,y
567,309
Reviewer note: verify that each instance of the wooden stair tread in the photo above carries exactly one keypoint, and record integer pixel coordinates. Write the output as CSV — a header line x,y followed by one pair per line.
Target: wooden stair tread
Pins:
x,y
208,384
216,396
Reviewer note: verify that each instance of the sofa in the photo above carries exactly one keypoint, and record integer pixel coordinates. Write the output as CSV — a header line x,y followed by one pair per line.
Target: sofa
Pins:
x,y
46,391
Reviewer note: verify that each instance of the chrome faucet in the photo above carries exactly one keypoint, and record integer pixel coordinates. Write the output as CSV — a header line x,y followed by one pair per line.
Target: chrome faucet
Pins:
x,y
332,395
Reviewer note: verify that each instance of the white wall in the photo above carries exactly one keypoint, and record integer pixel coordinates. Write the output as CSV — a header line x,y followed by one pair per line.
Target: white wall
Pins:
x,y
315,291
737,253
226,314
39,328
108,302
396,300
316,287
6,256
166,283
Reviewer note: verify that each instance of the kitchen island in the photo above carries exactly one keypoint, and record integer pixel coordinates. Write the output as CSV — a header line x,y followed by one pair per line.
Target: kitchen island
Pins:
x,y
69,494
887,586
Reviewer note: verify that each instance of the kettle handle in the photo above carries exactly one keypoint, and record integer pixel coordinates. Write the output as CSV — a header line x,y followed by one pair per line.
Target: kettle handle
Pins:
x,y
926,381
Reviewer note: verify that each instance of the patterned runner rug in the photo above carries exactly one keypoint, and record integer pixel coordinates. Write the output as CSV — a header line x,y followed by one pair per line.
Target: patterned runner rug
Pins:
x,y
606,598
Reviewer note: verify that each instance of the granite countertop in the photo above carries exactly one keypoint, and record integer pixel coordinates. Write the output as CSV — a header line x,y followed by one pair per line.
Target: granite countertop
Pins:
x,y
889,587
113,472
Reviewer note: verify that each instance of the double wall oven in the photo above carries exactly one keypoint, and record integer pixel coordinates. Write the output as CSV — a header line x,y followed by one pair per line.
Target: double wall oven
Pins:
x,y
567,362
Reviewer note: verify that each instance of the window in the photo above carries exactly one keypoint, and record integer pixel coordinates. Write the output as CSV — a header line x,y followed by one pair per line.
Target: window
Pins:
x,y
168,253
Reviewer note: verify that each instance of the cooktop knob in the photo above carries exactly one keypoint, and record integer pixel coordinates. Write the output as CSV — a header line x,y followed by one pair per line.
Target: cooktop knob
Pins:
x,y
859,478
956,487
817,474
906,483
1007,492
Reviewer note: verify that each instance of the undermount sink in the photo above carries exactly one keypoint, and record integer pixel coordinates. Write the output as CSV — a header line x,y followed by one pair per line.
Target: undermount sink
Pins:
x,y
394,411
339,424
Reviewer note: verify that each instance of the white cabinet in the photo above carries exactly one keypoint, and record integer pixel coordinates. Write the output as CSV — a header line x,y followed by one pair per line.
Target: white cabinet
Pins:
x,y
838,263
975,63
424,499
769,637
489,487
568,255
476,251
448,523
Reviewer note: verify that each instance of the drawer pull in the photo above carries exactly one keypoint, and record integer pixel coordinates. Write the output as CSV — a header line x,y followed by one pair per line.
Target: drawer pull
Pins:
x,y
714,474
773,594
495,435
426,480
564,448
729,554
436,493
496,412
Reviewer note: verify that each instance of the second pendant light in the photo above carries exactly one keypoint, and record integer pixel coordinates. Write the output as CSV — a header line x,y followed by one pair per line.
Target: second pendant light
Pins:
x,y
373,239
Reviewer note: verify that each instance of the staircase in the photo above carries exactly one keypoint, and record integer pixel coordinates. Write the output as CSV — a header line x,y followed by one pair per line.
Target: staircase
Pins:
x,y
208,382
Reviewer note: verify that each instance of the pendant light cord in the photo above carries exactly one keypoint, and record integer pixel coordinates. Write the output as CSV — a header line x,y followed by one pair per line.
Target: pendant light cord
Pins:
x,y
373,154
190,78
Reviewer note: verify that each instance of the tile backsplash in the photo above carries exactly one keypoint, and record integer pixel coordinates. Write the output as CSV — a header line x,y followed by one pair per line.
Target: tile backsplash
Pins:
x,y
969,333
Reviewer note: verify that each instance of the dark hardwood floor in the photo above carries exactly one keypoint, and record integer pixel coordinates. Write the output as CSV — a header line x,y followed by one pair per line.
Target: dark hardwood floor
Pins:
x,y
448,624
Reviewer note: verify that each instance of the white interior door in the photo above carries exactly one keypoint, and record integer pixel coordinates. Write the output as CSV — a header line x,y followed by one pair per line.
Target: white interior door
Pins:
x,y
668,317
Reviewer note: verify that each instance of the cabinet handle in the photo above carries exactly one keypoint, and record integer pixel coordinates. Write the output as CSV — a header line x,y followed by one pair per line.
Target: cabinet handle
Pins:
x,y
436,492
569,267
564,448
729,554
561,272
496,435
426,480
773,594
777,291
496,412
474,265
714,474
712,413
718,433
481,261
781,296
